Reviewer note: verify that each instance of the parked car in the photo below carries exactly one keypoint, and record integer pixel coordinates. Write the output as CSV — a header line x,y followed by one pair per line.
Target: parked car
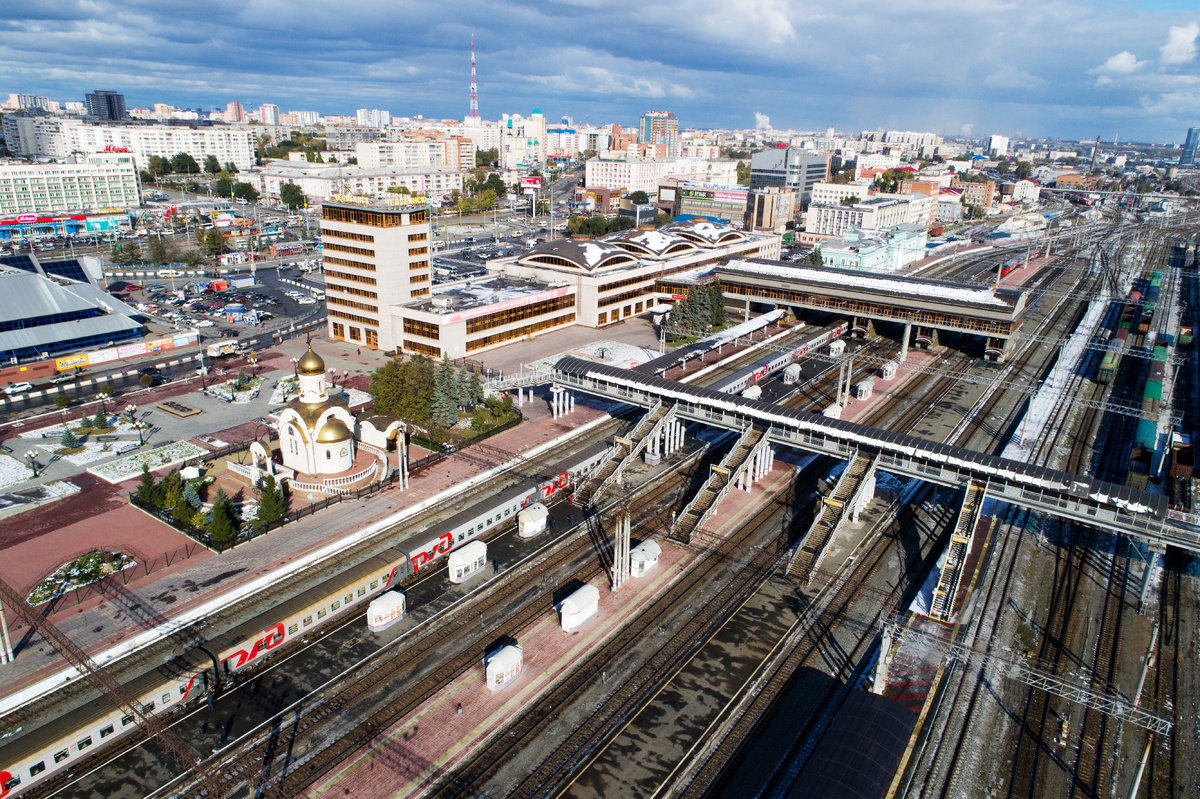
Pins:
x,y
17,388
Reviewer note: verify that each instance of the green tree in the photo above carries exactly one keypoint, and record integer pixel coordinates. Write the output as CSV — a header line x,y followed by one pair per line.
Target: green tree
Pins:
x,y
185,164
160,251
192,257
743,173
1024,169
399,190
662,219
815,258
68,440
100,420
211,165
850,199
61,401
487,157
223,186
148,177
715,300
271,505
445,396
260,146
147,490
214,242
222,522
404,388
245,191
171,489
146,381
157,165
191,496
231,168
1004,167
475,392
620,223
291,195
495,184
639,198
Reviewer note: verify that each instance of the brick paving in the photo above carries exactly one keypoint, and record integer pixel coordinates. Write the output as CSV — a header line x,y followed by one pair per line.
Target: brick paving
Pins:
x,y
411,755
888,390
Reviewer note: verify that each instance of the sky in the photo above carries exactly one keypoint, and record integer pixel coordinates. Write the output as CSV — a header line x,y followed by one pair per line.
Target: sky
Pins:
x,y
1021,68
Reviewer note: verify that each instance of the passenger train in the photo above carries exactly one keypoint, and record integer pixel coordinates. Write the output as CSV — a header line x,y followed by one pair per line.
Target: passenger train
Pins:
x,y
776,362
204,669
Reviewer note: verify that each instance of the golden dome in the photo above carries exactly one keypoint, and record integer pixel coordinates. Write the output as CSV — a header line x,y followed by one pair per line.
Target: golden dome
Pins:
x,y
334,431
310,364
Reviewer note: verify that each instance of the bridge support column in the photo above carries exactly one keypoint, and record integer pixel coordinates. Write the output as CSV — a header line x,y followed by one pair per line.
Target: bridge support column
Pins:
x,y
904,342
570,402
864,497
1151,565
746,312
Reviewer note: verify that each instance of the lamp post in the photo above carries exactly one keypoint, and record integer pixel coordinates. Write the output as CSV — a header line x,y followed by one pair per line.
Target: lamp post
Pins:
x,y
30,456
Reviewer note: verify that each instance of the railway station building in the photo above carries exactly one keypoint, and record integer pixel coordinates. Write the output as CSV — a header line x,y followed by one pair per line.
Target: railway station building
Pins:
x,y
594,283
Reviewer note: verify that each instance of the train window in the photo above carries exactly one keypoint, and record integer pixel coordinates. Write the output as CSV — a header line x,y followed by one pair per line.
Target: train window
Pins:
x,y
148,707
106,731
11,782
37,768
362,591
335,605
166,699
374,584
321,613
126,721
84,744
506,511
307,620
60,756
277,637
182,690
489,521
292,629
349,598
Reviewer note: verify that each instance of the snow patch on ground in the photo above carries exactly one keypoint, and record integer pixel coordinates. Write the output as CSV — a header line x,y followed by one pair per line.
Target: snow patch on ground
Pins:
x,y
13,471
607,352
166,455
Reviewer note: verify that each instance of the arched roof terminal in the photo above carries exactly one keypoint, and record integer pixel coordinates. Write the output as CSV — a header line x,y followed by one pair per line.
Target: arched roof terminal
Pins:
x,y
1114,507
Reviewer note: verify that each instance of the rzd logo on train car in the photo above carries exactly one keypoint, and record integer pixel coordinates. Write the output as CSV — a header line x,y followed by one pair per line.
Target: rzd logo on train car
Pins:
x,y
440,547
560,482
272,638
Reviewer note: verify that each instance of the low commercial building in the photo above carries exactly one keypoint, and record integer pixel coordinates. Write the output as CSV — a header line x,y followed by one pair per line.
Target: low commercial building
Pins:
x,y
566,282
53,307
876,250
873,214
644,174
767,209
41,188
320,182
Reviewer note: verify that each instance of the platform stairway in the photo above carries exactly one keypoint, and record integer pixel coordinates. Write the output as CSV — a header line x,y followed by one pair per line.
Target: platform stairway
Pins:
x,y
942,605
847,497
624,451
721,479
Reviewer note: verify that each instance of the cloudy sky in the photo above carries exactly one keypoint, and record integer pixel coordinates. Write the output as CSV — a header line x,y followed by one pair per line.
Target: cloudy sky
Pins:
x,y
1071,68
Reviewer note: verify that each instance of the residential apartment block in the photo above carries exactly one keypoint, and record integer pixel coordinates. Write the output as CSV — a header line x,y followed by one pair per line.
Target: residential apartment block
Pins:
x,y
644,174
873,214
418,149
38,188
320,182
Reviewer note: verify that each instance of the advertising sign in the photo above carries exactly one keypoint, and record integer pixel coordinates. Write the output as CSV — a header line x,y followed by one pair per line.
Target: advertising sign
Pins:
x,y
102,356
130,350
531,183
70,362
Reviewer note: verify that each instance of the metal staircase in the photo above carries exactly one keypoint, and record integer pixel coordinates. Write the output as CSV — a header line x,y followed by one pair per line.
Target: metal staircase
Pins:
x,y
722,477
942,606
623,452
834,508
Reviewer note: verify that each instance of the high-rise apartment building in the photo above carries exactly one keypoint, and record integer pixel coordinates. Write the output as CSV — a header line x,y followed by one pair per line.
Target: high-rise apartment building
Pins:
x,y
997,146
376,255
234,112
1191,146
660,127
105,105
268,114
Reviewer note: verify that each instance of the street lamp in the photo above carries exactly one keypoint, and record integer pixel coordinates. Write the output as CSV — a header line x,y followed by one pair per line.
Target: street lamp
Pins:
x,y
29,456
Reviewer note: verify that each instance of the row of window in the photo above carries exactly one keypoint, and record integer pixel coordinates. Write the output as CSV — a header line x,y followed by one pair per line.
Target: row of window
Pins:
x,y
628,295
370,281
364,216
418,265
350,290
341,234
520,332
362,306
418,251
424,349
419,278
328,246
329,259
352,317
507,317
418,236
415,327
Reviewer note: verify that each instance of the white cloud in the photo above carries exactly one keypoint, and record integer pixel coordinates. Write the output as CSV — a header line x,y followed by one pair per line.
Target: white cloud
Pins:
x,y
761,121
1123,63
1181,44
1007,76
968,128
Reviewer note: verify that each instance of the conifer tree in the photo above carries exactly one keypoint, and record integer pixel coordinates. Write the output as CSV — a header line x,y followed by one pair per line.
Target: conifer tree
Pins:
x,y
222,523
445,400
68,440
271,503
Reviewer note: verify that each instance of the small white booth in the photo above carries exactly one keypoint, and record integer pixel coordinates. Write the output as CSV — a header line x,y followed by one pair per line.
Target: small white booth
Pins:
x,y
385,610
643,558
888,370
753,392
791,375
467,561
837,347
580,606
864,389
503,666
833,411
532,520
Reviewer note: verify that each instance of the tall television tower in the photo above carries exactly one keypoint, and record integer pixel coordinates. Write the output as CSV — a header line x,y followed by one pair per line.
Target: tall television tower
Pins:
x,y
474,115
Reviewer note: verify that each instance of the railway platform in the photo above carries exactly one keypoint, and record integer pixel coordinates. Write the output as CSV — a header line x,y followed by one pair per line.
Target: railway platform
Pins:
x,y
413,754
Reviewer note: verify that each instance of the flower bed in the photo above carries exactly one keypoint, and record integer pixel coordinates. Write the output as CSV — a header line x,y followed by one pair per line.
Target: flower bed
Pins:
x,y
13,471
131,466
82,571
92,451
225,392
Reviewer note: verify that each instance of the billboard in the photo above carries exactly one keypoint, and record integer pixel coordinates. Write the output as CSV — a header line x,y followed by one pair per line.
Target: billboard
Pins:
x,y
531,183
182,339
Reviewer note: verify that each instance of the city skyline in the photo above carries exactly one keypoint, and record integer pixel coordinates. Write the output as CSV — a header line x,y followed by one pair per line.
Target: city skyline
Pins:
x,y
1068,68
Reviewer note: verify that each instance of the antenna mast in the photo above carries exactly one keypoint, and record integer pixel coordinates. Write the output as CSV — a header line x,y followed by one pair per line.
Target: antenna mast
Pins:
x,y
474,115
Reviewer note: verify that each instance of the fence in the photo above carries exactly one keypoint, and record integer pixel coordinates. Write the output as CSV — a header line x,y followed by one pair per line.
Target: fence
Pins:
x,y
251,531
